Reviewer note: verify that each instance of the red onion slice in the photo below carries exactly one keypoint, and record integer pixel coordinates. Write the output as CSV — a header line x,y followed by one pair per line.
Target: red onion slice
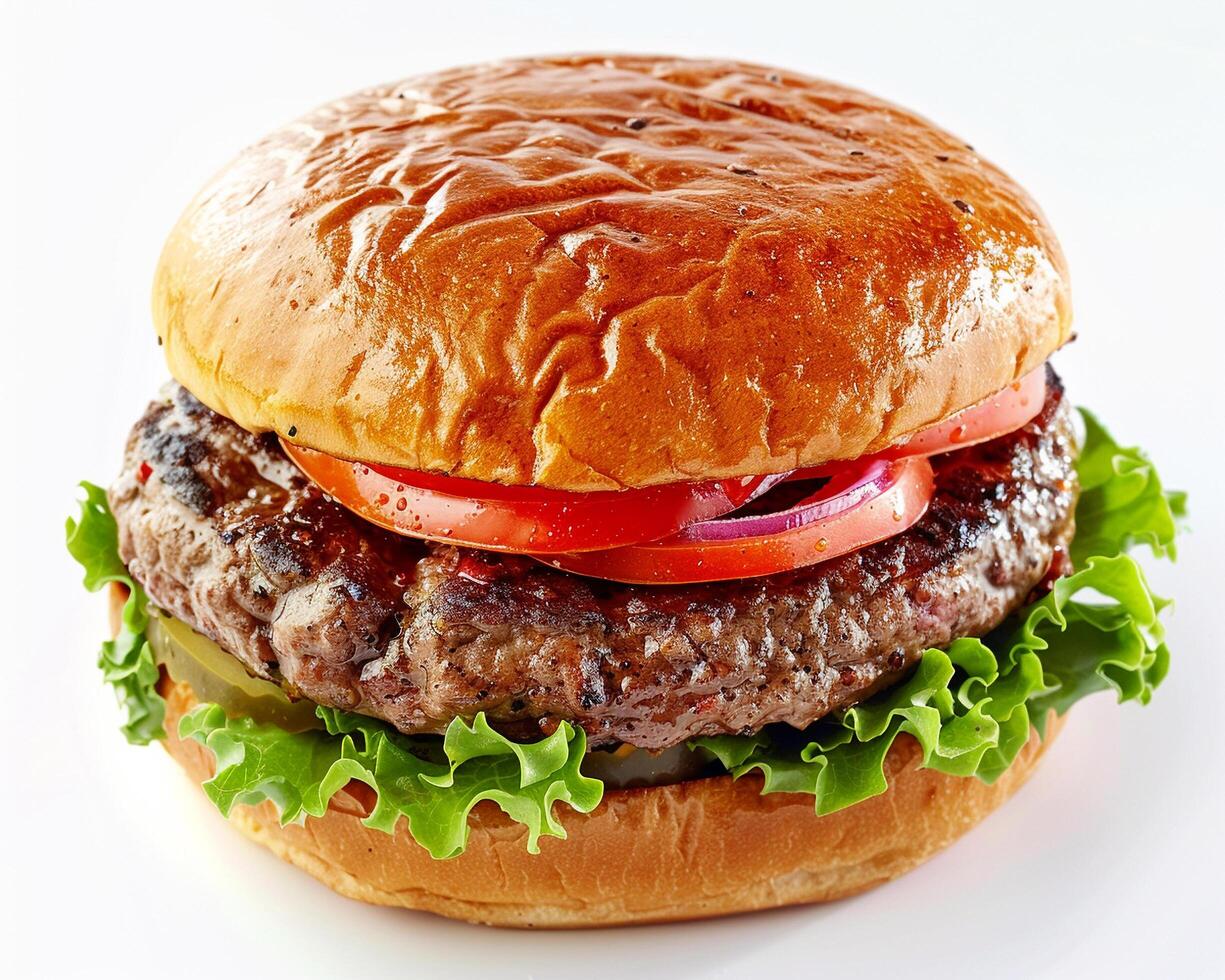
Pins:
x,y
852,488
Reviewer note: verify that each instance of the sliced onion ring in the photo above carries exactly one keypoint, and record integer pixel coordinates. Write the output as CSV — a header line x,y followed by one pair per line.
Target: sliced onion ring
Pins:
x,y
865,503
843,491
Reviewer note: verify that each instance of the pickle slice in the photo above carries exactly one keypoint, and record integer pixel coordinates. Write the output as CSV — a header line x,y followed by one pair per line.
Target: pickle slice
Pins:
x,y
219,678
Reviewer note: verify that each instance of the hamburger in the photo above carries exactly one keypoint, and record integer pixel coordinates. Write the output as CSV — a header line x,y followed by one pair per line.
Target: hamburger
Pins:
x,y
598,490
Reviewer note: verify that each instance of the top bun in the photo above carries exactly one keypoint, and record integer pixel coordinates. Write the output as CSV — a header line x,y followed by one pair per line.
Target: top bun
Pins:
x,y
593,272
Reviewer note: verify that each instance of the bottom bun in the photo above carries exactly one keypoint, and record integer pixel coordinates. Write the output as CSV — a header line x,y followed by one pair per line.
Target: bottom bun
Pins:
x,y
692,850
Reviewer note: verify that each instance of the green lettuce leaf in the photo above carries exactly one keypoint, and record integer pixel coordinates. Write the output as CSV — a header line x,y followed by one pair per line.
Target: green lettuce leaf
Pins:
x,y
126,661
971,707
432,783
1122,502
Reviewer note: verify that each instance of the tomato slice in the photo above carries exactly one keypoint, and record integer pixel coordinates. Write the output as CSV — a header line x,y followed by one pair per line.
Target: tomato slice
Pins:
x,y
1004,412
865,503
519,519
615,524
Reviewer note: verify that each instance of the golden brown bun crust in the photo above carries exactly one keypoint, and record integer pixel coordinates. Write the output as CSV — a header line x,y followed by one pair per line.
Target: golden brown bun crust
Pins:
x,y
593,271
694,850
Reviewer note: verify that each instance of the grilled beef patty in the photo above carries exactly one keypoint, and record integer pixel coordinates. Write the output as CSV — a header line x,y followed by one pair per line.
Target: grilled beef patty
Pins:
x,y
224,533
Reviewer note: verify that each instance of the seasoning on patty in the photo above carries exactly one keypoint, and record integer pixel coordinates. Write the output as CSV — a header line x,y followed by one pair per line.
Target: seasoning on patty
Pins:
x,y
227,536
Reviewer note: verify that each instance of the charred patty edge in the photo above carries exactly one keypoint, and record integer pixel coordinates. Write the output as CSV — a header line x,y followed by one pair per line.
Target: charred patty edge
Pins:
x,y
225,534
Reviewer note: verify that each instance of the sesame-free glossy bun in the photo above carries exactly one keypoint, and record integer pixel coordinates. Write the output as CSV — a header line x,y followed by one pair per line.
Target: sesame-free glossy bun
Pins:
x,y
590,272
692,850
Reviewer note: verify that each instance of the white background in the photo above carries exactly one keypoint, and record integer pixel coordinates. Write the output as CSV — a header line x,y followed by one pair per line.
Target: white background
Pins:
x,y
1110,861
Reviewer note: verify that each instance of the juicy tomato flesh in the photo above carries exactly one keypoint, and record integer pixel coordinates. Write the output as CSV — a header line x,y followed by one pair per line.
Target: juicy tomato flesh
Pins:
x,y
519,519
684,558
638,535
1004,412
